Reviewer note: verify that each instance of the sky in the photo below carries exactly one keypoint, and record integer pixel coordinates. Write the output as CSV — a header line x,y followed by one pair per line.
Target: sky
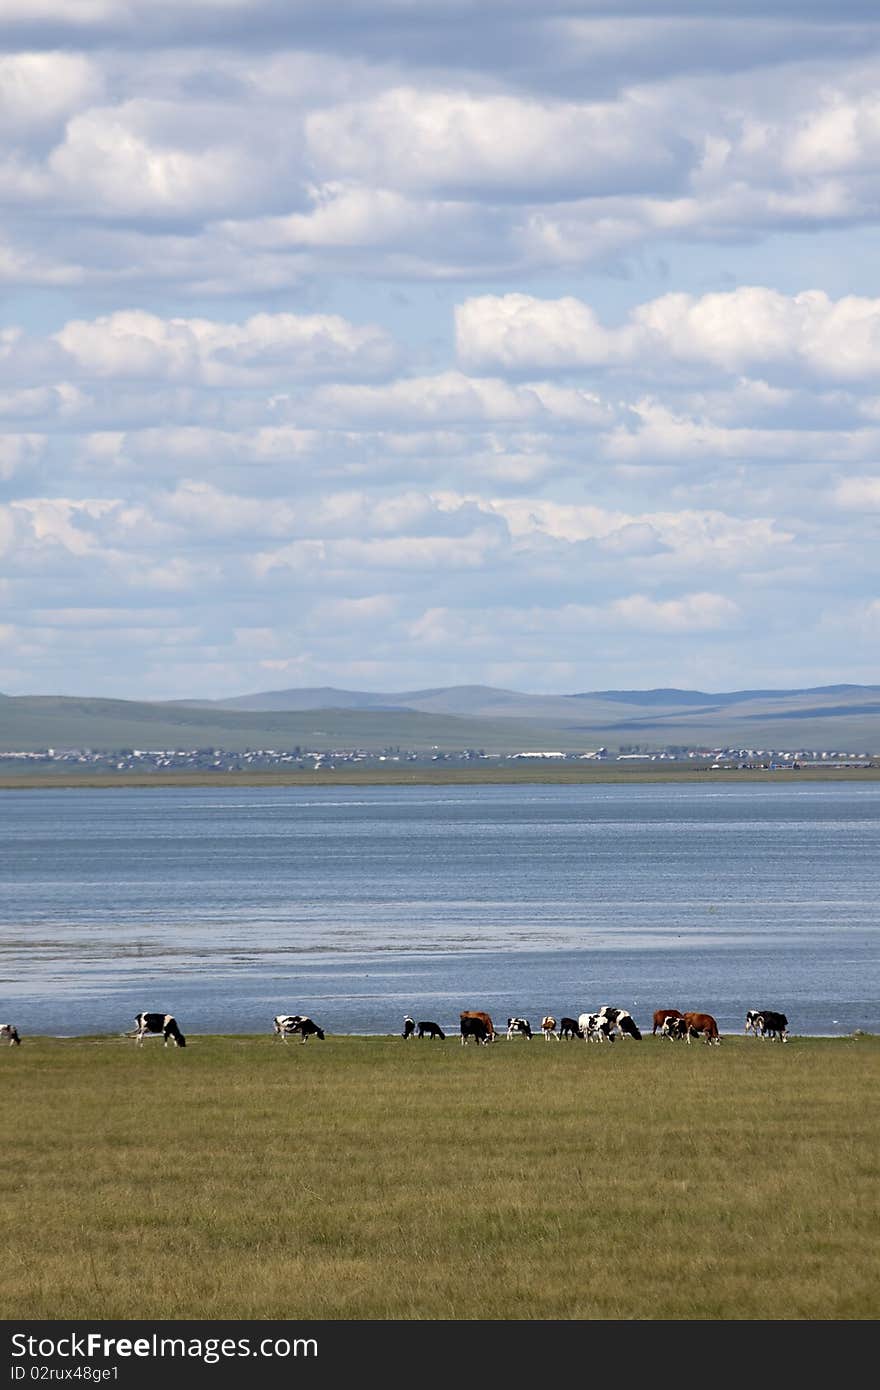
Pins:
x,y
387,345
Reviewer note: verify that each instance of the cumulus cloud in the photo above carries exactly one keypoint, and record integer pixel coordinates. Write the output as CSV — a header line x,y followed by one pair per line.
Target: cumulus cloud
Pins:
x,y
501,145
264,349
692,613
752,328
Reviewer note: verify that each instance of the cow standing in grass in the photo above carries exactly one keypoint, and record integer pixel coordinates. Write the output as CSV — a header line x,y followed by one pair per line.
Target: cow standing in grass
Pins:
x,y
156,1025
473,1025
484,1019
622,1022
660,1017
767,1023
702,1026
521,1026
428,1029
287,1024
595,1028
9,1030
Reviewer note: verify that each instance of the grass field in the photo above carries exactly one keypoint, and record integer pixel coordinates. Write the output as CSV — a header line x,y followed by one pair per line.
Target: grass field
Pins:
x,y
368,1178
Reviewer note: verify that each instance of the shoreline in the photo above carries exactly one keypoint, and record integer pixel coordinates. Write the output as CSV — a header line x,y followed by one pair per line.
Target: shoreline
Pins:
x,y
451,777
451,1036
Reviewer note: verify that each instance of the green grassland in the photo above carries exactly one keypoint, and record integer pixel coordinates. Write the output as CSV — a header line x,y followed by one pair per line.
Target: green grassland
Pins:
x,y
368,1178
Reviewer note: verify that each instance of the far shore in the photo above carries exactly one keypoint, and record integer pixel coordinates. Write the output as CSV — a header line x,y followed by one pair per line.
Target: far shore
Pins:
x,y
543,774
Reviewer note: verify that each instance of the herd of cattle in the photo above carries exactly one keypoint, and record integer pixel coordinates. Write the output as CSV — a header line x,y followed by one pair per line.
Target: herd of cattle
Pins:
x,y
603,1026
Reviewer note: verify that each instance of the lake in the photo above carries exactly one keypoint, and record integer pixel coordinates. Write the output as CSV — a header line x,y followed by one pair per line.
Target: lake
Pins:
x,y
228,905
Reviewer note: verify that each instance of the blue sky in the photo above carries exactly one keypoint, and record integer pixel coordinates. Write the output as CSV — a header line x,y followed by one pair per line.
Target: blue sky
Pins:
x,y
386,345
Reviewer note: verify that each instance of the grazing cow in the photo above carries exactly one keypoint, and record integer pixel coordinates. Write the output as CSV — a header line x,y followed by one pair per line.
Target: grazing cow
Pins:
x,y
702,1025
519,1025
569,1028
431,1030
660,1016
286,1025
548,1027
147,1025
621,1021
9,1030
673,1028
595,1028
489,1025
409,1027
766,1023
473,1027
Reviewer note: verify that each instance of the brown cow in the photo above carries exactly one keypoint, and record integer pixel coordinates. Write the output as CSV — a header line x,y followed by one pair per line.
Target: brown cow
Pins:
x,y
702,1025
481,1018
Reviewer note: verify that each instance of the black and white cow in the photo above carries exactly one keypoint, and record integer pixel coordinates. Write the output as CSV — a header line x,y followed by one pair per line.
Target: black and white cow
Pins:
x,y
9,1030
767,1023
674,1028
519,1025
409,1027
595,1028
155,1025
621,1021
286,1025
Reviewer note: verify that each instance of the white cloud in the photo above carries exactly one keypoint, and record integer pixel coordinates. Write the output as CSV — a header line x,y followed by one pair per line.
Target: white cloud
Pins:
x,y
858,494
747,329
266,348
37,90
451,398
408,137
703,612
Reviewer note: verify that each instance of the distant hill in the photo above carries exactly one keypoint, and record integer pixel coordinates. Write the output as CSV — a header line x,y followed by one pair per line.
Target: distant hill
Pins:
x,y
835,717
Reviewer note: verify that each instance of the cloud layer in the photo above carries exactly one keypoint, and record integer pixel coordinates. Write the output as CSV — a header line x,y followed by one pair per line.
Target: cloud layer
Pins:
x,y
382,344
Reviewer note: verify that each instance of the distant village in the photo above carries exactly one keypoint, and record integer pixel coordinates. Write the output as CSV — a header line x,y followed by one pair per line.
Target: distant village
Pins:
x,y
305,759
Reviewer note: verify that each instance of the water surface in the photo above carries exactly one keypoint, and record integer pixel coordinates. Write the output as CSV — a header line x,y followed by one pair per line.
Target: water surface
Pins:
x,y
227,905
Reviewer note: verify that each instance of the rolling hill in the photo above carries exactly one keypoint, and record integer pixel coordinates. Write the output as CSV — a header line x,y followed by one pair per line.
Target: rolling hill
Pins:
x,y
837,717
